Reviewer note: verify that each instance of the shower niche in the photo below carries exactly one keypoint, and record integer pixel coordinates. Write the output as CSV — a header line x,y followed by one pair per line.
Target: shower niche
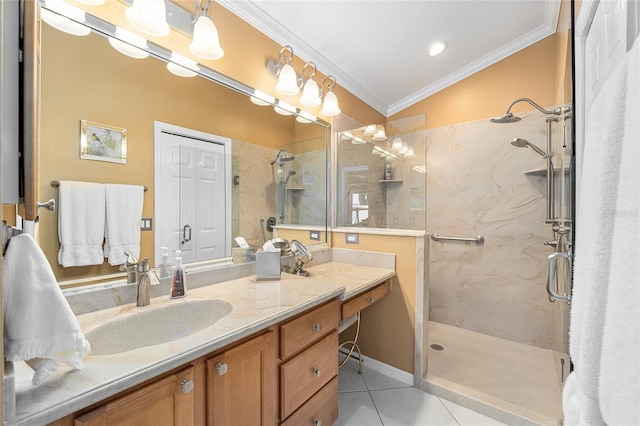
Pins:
x,y
381,177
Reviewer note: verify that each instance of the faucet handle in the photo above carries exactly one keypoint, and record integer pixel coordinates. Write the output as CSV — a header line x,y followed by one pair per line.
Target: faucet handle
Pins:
x,y
143,266
130,260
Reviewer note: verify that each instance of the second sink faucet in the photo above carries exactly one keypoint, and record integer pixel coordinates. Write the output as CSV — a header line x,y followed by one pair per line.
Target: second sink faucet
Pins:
x,y
147,279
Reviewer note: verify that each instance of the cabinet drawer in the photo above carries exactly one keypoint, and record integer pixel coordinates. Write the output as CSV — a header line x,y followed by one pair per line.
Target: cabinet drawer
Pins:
x,y
358,303
321,409
304,330
305,374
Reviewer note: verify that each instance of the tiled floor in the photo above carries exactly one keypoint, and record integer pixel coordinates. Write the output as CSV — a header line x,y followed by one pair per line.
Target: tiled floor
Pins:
x,y
373,399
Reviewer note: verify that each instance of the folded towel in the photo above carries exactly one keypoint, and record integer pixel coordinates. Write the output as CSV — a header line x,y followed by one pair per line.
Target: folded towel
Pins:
x,y
80,223
39,326
122,229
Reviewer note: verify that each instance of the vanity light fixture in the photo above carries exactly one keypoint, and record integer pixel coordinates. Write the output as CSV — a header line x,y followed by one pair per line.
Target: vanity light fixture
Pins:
x,y
182,66
304,117
262,99
370,130
129,44
284,108
65,17
205,43
330,106
396,145
149,16
284,72
310,91
289,83
380,134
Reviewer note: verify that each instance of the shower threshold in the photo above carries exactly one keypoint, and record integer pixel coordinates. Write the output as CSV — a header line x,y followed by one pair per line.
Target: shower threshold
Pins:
x,y
508,381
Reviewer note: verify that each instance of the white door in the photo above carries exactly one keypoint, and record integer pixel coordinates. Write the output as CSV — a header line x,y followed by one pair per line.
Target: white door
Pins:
x,y
192,196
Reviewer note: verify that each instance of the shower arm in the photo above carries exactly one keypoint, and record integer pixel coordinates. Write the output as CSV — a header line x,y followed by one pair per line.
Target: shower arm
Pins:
x,y
556,111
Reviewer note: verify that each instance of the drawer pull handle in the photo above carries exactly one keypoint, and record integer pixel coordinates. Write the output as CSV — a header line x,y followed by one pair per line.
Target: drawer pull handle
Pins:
x,y
317,327
187,386
317,372
317,422
222,369
371,300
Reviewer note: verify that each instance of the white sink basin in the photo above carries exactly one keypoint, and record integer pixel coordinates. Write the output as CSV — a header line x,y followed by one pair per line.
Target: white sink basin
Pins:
x,y
153,325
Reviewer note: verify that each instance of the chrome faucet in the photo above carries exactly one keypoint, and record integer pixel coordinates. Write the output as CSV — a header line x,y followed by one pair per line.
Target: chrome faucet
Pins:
x,y
130,266
147,279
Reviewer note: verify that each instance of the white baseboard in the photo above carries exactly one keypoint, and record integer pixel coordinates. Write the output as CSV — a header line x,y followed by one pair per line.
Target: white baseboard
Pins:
x,y
382,368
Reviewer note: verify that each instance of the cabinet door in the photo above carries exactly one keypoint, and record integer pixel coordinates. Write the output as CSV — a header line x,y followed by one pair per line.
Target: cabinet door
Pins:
x,y
169,401
240,384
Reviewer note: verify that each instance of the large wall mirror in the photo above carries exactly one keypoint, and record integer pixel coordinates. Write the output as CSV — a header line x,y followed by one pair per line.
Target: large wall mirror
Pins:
x,y
273,165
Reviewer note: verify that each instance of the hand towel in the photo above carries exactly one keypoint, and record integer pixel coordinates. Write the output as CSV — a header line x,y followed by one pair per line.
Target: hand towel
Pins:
x,y
619,381
39,326
81,216
594,253
122,230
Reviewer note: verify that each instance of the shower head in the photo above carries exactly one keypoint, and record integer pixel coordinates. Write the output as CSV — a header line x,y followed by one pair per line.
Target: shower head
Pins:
x,y
507,118
523,143
284,156
510,118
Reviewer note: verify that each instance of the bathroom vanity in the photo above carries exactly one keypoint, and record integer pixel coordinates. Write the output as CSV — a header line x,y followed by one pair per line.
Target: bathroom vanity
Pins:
x,y
271,358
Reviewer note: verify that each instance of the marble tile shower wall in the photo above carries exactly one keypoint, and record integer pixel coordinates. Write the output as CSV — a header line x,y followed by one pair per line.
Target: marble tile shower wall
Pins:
x,y
254,197
476,185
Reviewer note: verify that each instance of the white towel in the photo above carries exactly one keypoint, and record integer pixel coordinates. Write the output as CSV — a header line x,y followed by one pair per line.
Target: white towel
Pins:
x,y
80,223
122,230
619,373
595,260
39,326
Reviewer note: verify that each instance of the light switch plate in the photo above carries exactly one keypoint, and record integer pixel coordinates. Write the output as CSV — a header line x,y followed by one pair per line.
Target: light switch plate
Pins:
x,y
352,238
146,224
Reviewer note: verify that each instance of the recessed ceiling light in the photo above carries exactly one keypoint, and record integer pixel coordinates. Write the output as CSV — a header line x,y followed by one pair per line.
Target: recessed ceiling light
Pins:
x,y
437,48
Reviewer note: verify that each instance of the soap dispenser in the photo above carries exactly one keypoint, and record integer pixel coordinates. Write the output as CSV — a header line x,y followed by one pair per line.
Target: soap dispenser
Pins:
x,y
178,279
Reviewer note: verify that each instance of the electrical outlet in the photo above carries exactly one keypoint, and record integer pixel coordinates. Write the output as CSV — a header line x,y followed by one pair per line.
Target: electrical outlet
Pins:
x,y
352,238
314,235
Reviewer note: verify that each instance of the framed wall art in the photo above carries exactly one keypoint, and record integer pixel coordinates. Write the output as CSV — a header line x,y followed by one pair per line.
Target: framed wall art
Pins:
x,y
103,142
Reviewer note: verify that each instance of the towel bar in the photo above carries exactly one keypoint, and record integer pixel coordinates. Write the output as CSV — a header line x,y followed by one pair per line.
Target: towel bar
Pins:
x,y
50,205
478,239
56,183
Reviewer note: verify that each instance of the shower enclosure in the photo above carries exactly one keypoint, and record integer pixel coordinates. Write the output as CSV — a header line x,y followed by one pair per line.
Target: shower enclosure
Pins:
x,y
497,338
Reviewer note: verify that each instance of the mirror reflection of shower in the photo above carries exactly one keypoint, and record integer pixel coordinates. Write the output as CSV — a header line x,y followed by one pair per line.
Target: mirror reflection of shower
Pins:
x,y
282,176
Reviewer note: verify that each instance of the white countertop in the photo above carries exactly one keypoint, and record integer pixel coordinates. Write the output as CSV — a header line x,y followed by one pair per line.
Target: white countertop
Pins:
x,y
255,306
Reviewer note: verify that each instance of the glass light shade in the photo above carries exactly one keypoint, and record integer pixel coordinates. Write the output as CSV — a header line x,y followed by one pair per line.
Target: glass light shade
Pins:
x,y
410,152
305,117
262,99
149,16
310,94
182,66
380,134
206,43
129,44
330,106
287,81
404,148
371,129
284,108
65,17
396,145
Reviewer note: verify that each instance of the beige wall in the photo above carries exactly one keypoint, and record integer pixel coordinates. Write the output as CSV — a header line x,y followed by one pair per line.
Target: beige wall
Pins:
x,y
387,327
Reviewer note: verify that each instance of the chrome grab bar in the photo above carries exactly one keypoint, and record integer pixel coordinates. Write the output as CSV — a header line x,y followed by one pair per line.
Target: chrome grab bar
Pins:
x,y
478,239
551,272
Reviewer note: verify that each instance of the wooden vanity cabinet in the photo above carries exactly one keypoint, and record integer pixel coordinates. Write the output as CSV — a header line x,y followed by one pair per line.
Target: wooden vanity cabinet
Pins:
x,y
240,384
309,367
168,401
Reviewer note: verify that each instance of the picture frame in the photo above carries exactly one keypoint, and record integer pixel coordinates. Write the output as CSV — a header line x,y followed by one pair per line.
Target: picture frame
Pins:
x,y
103,142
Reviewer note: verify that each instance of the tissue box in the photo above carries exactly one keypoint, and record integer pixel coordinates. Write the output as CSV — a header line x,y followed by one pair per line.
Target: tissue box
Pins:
x,y
268,265
243,255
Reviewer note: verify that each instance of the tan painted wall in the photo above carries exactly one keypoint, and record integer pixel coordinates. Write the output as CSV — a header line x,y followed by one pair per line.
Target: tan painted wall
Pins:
x,y
387,327
530,73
